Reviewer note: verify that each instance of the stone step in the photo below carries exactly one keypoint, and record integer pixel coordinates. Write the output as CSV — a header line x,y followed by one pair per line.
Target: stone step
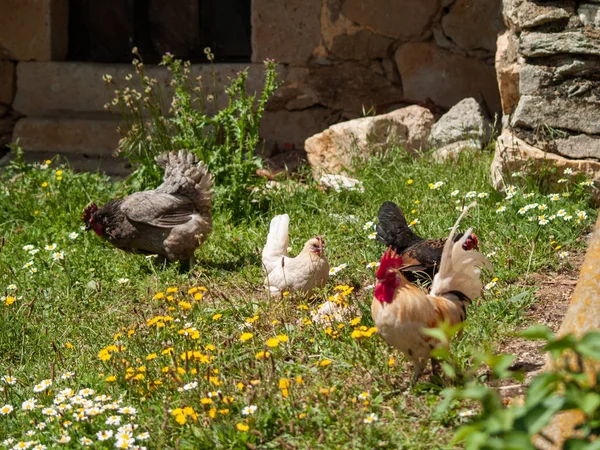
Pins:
x,y
87,144
49,88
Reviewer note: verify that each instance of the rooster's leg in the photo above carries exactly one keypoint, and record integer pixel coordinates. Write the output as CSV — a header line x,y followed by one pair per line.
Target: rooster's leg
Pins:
x,y
419,365
435,367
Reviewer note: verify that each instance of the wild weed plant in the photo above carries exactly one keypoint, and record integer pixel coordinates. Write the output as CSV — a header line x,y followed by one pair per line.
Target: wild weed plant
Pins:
x,y
188,113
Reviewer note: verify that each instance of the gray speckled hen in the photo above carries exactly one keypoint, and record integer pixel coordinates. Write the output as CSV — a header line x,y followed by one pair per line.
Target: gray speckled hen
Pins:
x,y
172,220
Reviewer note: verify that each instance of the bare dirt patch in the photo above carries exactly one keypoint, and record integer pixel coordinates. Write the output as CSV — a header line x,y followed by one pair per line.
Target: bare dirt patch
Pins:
x,y
552,299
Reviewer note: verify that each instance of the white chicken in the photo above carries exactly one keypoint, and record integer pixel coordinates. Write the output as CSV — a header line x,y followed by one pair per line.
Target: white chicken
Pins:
x,y
303,273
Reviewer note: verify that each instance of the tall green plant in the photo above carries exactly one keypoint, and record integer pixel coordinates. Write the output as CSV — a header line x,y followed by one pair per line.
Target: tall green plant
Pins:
x,y
185,114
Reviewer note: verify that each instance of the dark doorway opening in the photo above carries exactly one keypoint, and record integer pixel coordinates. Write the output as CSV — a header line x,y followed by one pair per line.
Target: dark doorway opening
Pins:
x,y
107,30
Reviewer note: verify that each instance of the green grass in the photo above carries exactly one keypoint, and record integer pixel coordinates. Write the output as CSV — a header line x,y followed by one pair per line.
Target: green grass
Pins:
x,y
71,308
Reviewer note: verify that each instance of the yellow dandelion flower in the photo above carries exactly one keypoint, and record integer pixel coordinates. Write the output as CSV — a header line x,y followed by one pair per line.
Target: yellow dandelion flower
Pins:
x,y
110,378
185,305
325,363
262,355
206,401
272,342
167,351
10,300
282,338
159,295
217,316
242,427
151,356
299,379
45,184
245,336
409,182
212,413
69,345
391,362
172,289
198,296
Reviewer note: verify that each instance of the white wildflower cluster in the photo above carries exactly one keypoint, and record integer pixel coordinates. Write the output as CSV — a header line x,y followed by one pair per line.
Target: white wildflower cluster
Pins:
x,y
67,406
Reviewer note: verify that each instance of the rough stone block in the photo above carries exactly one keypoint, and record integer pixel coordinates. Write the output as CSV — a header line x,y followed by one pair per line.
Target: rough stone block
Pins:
x,y
429,72
579,42
65,135
404,20
34,29
473,24
507,71
45,88
515,155
7,82
285,30
523,14
565,113
589,14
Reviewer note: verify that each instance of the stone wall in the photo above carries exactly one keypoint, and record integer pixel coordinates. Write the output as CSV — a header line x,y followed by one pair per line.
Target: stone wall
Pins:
x,y
346,57
339,59
548,65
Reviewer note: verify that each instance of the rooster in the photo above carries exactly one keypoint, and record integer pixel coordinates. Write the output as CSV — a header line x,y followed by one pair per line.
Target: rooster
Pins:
x,y
421,257
303,273
401,310
172,220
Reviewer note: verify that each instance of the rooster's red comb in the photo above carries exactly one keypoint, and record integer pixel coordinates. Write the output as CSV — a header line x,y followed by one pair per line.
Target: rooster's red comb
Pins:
x,y
389,260
88,212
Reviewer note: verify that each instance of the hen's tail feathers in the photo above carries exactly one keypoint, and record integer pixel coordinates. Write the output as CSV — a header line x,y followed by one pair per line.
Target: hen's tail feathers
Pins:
x,y
459,269
392,228
277,242
186,175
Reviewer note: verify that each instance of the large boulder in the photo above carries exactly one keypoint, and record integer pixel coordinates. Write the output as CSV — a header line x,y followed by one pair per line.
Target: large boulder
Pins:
x,y
332,150
515,155
464,126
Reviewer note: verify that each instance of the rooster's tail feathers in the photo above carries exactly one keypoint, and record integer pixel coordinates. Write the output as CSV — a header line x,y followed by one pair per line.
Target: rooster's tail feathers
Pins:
x,y
277,242
186,175
459,269
392,228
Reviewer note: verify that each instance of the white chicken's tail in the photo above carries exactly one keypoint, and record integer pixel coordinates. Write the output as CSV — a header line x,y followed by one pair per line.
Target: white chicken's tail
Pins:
x,y
277,242
186,175
459,269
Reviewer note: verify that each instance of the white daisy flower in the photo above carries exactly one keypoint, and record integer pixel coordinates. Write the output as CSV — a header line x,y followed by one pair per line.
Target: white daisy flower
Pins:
x,y
28,247
123,280
6,409
190,386
50,247
113,420
483,195
471,194
369,225
58,255
568,171
28,405
581,215
561,213
371,418
500,209
372,235
249,410
563,255
104,435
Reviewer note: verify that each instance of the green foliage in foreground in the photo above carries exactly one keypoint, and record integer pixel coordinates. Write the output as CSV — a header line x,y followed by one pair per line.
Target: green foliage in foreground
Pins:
x,y
566,387
189,355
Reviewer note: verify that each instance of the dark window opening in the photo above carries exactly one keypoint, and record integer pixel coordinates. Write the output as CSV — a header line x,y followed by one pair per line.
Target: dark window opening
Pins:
x,y
107,30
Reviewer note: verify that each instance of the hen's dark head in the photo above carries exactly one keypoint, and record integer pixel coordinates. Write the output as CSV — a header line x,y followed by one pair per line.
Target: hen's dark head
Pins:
x,y
471,243
90,220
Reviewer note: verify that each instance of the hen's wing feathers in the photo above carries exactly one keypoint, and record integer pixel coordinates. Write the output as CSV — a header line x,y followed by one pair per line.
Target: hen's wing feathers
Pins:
x,y
157,208
392,228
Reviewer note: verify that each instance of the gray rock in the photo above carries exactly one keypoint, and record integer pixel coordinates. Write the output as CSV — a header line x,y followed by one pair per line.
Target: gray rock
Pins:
x,y
523,14
581,42
464,122
589,14
579,146
573,114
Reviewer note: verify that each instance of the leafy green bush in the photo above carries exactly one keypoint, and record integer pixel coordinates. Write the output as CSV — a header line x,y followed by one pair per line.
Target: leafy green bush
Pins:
x,y
564,388
187,116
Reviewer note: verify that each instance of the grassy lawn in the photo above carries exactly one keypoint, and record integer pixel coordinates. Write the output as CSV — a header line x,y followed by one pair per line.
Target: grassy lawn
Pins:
x,y
206,359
